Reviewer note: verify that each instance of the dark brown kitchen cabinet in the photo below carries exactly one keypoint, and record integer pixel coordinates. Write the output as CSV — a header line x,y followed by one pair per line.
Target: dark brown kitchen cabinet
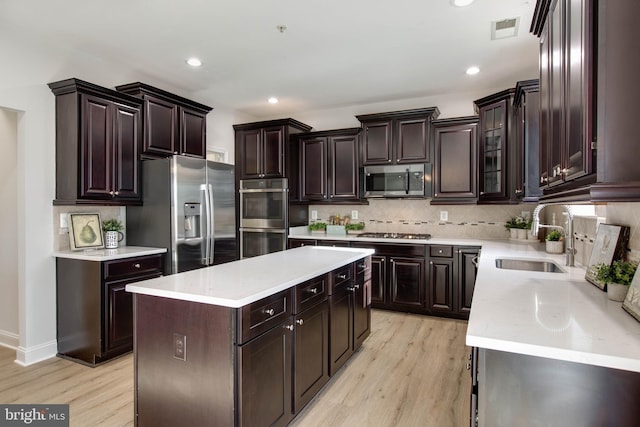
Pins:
x,y
397,137
452,278
94,311
378,280
329,166
407,277
172,124
526,148
494,148
588,92
455,165
98,135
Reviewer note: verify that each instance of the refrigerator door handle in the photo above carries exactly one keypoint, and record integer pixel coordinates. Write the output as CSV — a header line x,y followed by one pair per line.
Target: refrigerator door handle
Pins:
x,y
211,225
207,224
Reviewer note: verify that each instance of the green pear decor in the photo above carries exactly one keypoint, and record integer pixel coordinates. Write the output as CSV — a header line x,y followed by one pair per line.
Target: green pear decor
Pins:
x,y
85,231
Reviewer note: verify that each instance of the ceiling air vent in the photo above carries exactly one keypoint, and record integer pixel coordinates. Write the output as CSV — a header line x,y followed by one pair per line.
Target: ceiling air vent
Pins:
x,y
504,28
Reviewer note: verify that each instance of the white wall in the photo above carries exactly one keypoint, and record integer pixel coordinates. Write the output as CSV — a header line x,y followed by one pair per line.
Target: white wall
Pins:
x,y
9,325
36,190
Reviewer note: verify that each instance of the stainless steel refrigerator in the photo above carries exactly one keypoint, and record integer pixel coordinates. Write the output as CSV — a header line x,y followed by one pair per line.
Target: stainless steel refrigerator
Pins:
x,y
189,208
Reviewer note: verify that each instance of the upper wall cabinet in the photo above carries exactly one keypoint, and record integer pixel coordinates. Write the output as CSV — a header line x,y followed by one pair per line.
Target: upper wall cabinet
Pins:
x,y
397,137
588,98
455,165
172,124
526,147
329,167
98,134
495,113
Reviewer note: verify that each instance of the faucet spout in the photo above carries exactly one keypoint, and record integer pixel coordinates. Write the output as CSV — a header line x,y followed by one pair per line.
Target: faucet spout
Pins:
x,y
568,233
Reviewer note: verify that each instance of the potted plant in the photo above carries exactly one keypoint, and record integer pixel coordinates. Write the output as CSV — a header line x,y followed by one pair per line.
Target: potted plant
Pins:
x,y
112,233
617,277
318,227
516,227
555,242
354,227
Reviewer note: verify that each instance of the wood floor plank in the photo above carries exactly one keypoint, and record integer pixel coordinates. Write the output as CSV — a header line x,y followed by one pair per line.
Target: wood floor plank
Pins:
x,y
409,372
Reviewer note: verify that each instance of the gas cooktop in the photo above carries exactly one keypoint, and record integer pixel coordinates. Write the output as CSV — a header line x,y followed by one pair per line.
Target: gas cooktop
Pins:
x,y
417,236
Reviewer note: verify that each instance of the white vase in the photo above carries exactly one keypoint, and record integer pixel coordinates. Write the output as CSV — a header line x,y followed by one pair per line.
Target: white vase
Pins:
x,y
111,239
555,247
513,233
522,233
616,291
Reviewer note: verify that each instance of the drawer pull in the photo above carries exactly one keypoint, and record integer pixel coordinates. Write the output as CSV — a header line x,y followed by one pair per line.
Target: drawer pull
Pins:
x,y
300,322
362,265
269,311
342,276
313,291
136,265
289,327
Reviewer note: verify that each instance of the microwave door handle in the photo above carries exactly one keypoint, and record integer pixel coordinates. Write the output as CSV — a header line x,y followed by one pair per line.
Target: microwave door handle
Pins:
x,y
406,183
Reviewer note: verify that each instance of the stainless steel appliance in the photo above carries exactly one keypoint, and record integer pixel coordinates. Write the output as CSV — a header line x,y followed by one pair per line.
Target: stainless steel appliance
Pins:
x,y
410,180
188,208
264,217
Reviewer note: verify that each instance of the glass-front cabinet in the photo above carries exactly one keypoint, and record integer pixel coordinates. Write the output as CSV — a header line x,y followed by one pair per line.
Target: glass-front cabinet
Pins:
x,y
495,113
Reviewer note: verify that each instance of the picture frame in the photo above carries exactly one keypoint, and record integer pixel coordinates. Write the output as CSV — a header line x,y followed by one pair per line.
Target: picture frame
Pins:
x,y
631,303
610,245
85,231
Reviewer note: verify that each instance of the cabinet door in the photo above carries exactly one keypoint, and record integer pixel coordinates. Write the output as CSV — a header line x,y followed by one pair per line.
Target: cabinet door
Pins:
x,y
441,285
313,166
407,282
545,106
378,280
192,133
264,378
341,327
556,88
161,127
273,152
361,312
376,144
250,155
119,317
96,148
343,168
311,354
455,145
467,269
493,151
412,143
127,137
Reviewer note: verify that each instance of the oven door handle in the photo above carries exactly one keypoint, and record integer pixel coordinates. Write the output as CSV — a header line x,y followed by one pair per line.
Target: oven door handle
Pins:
x,y
264,190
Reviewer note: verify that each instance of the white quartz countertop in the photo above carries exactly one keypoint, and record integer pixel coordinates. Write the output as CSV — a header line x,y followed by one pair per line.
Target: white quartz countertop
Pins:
x,y
303,233
554,315
109,254
236,284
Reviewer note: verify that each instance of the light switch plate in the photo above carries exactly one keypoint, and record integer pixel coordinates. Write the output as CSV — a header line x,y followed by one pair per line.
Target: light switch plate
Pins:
x,y
63,221
354,214
180,346
444,216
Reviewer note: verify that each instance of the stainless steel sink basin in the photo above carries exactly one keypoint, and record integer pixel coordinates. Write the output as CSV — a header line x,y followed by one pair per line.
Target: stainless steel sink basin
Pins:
x,y
528,265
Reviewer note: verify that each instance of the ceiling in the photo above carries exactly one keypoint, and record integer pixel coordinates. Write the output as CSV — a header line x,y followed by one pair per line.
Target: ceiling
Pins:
x,y
333,53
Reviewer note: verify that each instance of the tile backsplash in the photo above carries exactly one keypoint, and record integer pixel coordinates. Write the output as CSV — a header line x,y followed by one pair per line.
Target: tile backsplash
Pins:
x,y
61,235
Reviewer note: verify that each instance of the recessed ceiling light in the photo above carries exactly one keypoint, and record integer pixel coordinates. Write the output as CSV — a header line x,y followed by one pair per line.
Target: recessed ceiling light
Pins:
x,y
194,62
461,3
472,71
272,100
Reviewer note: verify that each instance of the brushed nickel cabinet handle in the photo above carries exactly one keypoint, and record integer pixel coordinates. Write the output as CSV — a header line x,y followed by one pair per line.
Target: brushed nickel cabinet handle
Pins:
x,y
342,276
289,327
300,322
136,265
269,312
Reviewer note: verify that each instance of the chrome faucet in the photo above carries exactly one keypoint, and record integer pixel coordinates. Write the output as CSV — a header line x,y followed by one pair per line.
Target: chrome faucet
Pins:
x,y
568,233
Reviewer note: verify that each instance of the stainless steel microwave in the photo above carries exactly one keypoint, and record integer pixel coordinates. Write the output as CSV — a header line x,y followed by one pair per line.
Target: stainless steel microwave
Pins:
x,y
410,180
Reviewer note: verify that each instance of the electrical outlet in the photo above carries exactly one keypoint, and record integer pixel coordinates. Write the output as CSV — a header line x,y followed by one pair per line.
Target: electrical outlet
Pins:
x,y
444,216
63,221
354,214
314,215
180,346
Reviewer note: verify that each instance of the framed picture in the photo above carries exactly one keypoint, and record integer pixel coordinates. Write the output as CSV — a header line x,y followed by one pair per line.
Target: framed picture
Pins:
x,y
631,303
85,231
610,245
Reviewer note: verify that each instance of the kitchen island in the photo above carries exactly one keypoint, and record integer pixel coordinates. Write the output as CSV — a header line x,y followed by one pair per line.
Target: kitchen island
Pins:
x,y
248,342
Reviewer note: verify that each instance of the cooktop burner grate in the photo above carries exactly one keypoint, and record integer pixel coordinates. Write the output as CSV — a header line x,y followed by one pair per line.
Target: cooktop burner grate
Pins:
x,y
417,236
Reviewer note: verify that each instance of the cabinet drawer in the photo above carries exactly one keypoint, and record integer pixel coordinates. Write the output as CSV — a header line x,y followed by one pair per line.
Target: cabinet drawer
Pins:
x,y
339,276
363,270
310,293
439,251
262,315
132,267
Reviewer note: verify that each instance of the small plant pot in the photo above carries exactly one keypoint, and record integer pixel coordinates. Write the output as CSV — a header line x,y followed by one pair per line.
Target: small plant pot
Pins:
x,y
513,233
554,246
522,233
318,231
617,291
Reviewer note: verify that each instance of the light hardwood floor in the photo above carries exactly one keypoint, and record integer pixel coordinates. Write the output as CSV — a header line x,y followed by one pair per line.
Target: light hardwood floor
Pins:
x,y
409,372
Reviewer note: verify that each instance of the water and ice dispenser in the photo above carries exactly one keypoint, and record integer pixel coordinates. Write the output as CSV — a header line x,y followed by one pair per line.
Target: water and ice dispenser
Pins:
x,y
192,215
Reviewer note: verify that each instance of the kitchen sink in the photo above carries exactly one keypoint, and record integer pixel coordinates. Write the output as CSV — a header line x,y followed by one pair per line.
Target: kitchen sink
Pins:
x,y
528,265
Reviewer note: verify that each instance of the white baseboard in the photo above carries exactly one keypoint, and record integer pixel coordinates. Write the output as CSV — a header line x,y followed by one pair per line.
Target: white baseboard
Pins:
x,y
9,339
37,353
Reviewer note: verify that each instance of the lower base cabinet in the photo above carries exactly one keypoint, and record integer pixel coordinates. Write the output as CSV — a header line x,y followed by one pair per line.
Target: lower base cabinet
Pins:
x,y
260,364
452,278
94,317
